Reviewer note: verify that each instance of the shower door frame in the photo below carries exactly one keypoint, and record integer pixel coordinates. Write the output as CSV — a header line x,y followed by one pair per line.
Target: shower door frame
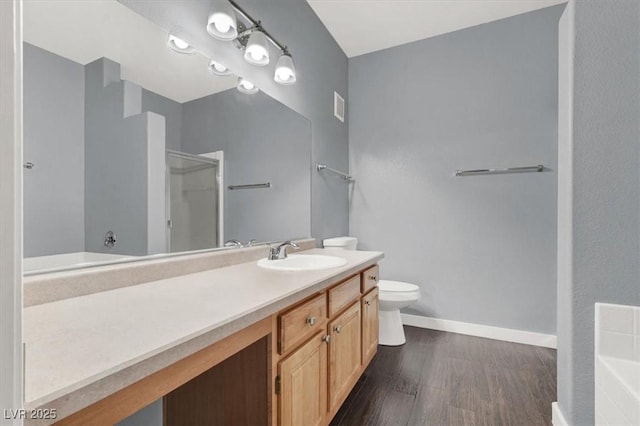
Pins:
x,y
219,207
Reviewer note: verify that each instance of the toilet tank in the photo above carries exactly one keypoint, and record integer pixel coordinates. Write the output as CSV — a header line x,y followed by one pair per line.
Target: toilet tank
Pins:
x,y
346,243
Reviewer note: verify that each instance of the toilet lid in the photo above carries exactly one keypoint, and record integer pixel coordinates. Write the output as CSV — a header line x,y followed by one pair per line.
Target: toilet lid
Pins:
x,y
391,286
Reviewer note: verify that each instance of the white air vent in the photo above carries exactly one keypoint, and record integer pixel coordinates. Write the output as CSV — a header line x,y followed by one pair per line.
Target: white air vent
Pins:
x,y
338,106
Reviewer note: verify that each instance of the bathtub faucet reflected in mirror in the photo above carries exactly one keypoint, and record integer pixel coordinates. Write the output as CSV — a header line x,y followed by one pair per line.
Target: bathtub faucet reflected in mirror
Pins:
x,y
110,239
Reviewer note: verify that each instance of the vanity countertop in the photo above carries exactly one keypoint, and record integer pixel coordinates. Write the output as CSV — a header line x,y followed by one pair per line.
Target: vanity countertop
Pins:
x,y
82,349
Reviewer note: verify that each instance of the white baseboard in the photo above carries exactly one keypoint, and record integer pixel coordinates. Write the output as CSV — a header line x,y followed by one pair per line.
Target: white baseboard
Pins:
x,y
487,331
557,419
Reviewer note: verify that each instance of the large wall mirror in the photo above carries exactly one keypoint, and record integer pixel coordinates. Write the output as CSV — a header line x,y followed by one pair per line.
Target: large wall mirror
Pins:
x,y
132,149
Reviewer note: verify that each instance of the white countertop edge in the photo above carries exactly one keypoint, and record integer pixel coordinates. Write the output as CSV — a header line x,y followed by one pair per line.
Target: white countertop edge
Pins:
x,y
80,395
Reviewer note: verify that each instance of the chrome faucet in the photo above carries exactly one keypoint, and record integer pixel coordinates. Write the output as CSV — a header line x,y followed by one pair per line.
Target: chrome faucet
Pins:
x,y
233,243
110,239
280,252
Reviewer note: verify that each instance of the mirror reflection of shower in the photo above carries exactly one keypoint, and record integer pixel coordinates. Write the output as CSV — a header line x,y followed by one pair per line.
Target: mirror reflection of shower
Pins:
x,y
194,198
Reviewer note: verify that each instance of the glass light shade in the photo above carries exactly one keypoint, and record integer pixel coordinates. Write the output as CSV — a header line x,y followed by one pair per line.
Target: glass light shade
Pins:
x,y
217,68
245,86
222,23
285,70
178,45
257,52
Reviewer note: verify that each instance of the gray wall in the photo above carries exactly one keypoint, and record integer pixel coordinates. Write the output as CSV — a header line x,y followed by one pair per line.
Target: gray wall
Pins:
x,y
54,142
172,112
117,162
151,415
482,248
263,141
54,193
600,252
321,66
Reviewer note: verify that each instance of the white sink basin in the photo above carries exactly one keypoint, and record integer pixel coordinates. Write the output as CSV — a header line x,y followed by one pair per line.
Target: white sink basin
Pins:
x,y
303,262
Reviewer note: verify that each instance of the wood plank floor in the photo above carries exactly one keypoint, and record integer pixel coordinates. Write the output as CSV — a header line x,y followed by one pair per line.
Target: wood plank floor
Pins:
x,y
440,378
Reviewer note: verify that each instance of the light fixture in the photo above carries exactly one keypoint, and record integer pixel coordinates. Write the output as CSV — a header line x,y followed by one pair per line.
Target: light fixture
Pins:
x,y
285,70
245,86
178,45
217,68
222,23
256,52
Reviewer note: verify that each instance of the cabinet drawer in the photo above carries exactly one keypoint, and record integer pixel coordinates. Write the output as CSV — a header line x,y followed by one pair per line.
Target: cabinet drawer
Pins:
x,y
299,323
370,278
343,294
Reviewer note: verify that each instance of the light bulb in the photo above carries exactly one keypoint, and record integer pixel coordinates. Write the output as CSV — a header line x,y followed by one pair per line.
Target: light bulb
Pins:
x,y
284,74
256,55
285,70
222,23
245,86
218,69
256,52
178,45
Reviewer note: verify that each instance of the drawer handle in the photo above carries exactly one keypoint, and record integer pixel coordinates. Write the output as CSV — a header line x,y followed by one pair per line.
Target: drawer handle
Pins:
x,y
367,302
373,277
337,328
326,338
311,321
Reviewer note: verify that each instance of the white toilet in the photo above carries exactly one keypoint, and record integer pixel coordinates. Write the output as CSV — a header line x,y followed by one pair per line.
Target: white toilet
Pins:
x,y
393,296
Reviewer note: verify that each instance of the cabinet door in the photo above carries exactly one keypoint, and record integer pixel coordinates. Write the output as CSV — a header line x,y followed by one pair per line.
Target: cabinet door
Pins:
x,y
303,384
369,325
344,354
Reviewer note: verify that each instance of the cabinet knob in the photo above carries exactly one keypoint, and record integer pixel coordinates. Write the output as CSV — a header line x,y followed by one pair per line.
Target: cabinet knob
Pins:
x,y
373,277
311,321
367,302
326,338
337,328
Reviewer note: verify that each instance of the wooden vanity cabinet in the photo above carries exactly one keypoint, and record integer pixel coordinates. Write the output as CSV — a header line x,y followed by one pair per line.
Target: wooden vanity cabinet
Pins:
x,y
293,367
315,375
370,308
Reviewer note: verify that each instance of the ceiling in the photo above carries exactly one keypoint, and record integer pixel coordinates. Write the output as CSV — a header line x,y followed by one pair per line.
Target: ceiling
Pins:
x,y
364,26
84,31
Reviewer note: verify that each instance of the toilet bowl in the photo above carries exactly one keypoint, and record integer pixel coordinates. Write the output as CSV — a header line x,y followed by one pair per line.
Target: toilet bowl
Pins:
x,y
392,295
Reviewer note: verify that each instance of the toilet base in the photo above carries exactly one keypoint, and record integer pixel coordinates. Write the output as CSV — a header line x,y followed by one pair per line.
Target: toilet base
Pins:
x,y
390,331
